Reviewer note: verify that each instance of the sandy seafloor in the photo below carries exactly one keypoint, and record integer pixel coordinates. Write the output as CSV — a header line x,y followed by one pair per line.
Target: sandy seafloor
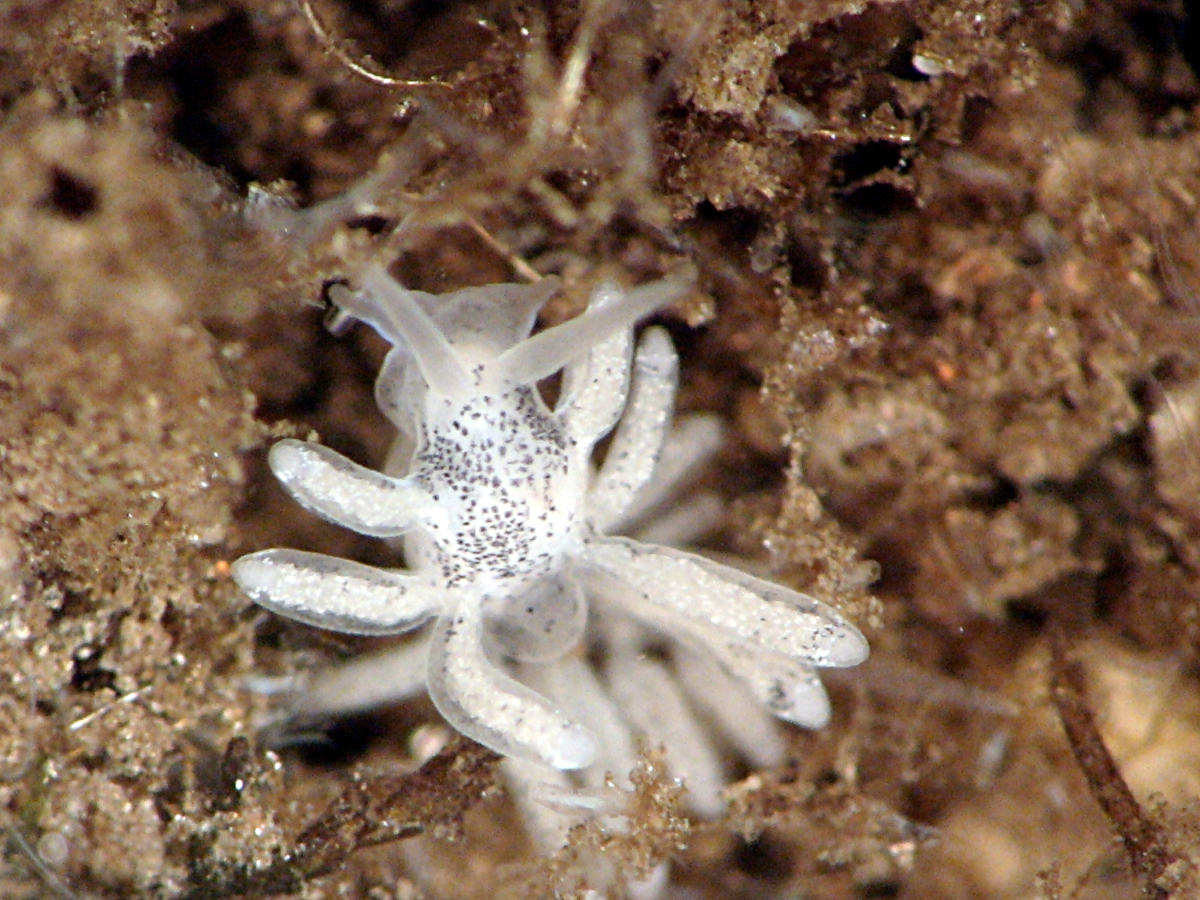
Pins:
x,y
947,301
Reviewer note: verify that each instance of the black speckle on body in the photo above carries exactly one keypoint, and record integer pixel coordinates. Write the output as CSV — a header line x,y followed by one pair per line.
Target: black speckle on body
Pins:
x,y
505,519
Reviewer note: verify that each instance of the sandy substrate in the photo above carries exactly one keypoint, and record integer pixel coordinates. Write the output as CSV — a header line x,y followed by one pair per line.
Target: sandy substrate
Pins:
x,y
947,300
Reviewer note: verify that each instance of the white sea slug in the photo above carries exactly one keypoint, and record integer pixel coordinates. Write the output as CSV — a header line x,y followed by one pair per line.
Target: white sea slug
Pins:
x,y
505,520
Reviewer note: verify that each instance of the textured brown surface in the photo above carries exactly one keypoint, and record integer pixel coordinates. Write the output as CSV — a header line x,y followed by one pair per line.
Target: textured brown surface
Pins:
x,y
970,299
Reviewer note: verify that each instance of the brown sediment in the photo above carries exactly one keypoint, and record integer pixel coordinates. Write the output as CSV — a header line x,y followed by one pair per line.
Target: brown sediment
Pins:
x,y
947,299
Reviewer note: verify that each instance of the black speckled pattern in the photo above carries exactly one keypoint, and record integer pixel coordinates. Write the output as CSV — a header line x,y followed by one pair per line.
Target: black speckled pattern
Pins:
x,y
499,468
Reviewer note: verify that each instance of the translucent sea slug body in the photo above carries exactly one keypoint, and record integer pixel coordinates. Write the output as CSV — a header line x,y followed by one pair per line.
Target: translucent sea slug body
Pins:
x,y
505,521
